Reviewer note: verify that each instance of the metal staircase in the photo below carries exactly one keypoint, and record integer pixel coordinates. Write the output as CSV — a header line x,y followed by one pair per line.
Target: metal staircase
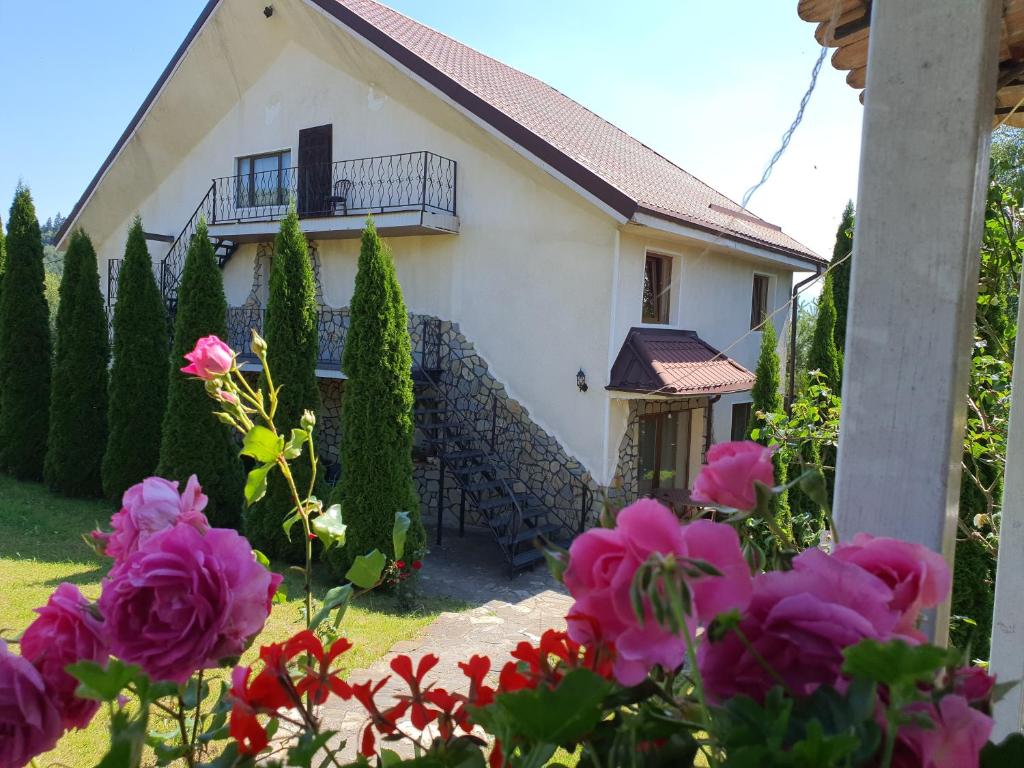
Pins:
x,y
473,449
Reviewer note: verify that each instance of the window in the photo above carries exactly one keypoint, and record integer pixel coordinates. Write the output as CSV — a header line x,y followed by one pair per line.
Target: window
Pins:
x,y
664,451
740,420
657,279
759,301
263,179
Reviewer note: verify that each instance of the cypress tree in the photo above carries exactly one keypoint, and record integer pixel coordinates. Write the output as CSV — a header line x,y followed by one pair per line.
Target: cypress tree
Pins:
x,y
24,346
292,347
841,278
767,398
193,441
138,376
823,355
78,395
376,412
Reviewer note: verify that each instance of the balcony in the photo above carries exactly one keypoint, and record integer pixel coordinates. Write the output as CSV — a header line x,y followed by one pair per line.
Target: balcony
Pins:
x,y
332,330
408,194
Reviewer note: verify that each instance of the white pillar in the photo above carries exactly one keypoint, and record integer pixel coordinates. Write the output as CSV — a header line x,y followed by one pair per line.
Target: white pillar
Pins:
x,y
1008,619
923,174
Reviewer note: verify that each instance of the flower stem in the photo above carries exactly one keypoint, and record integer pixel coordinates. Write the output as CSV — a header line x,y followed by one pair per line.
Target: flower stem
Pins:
x,y
199,703
698,686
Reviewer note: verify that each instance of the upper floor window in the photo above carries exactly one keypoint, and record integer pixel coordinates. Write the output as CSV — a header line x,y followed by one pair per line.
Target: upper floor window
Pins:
x,y
759,301
261,179
657,279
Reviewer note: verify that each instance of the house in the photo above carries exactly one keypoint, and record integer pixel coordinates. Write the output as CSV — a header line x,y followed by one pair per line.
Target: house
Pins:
x,y
574,296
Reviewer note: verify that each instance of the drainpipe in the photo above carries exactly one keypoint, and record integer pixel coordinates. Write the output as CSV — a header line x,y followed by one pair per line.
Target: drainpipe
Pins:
x,y
791,394
709,423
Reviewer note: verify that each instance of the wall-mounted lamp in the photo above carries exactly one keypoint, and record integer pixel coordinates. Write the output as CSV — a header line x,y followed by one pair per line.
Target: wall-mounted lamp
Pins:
x,y
581,380
268,11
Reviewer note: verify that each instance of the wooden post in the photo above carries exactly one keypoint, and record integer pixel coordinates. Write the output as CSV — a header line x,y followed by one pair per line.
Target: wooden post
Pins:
x,y
1007,662
931,83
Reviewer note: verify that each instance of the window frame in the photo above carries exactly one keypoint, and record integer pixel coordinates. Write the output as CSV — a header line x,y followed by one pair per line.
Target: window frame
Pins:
x,y
660,420
755,295
748,408
663,291
250,177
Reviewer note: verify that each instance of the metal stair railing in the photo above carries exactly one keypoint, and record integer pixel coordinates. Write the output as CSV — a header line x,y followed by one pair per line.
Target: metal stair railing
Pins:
x,y
172,264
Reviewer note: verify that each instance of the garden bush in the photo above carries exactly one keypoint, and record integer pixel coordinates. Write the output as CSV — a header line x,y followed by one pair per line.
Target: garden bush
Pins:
x,y
292,342
78,395
138,375
24,346
193,441
376,410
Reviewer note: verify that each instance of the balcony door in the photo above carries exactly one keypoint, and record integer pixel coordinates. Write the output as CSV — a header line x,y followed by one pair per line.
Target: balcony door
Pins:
x,y
315,154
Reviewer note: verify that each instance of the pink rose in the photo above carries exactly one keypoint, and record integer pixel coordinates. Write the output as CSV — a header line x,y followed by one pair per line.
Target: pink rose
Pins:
x,y
602,564
798,622
210,359
957,737
227,397
66,632
728,479
974,684
186,601
918,577
29,721
148,508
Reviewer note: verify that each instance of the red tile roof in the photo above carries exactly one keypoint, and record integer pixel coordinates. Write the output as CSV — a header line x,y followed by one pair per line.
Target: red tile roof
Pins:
x,y
608,163
649,182
669,362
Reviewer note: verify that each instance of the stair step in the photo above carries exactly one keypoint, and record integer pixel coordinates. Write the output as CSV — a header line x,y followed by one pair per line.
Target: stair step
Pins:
x,y
484,485
529,534
530,513
527,557
497,502
470,470
440,425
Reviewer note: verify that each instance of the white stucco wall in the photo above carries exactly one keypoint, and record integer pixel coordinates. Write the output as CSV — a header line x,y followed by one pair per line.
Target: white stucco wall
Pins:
x,y
541,280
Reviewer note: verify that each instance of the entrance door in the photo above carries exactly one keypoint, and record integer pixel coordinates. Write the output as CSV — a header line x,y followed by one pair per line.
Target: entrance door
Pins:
x,y
314,187
664,460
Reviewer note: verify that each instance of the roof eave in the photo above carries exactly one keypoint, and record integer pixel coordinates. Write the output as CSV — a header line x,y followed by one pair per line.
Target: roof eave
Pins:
x,y
808,258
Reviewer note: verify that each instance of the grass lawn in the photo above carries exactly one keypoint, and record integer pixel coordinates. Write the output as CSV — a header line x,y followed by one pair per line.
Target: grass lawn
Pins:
x,y
41,546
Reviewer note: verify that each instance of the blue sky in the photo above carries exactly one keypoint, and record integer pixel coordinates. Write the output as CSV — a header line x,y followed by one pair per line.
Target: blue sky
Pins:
x,y
712,86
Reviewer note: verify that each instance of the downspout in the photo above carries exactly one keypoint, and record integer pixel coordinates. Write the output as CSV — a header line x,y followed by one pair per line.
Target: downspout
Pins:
x,y
709,424
791,394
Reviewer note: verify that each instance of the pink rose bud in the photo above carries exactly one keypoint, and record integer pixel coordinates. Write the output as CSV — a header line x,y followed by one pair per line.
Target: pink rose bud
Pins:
x,y
227,397
728,479
210,359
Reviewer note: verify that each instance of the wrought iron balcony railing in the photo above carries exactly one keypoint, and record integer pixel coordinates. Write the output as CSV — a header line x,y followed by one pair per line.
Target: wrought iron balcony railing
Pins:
x,y
413,181
332,330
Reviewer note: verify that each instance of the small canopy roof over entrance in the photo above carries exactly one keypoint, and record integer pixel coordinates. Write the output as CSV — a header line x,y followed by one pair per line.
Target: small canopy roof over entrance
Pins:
x,y
672,363
852,22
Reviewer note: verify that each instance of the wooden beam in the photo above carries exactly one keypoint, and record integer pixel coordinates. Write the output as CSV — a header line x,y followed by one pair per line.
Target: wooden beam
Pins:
x,y
931,80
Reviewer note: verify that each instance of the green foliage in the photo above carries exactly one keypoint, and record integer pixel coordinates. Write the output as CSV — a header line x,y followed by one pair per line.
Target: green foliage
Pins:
x,y
292,344
138,376
24,346
823,355
767,398
193,440
78,395
841,277
376,415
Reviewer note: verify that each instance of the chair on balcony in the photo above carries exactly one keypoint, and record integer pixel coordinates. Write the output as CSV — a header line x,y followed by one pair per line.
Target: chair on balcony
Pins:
x,y
342,188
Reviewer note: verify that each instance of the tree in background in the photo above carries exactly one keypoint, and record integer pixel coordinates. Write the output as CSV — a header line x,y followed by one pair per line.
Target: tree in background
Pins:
x,y
823,355
376,412
24,346
78,395
138,376
193,440
766,399
841,278
292,349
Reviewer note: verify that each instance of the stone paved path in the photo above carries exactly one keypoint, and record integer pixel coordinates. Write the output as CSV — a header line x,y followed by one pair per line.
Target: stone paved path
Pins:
x,y
503,612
